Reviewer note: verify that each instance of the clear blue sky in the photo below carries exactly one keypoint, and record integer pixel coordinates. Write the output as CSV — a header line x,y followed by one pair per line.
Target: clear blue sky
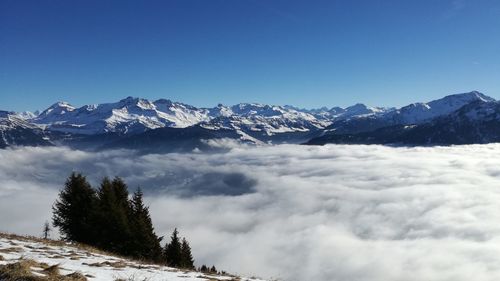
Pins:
x,y
202,52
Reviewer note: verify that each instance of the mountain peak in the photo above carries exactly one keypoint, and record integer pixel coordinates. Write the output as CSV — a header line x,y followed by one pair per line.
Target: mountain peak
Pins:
x,y
61,104
129,100
357,106
27,114
358,109
58,108
469,96
163,101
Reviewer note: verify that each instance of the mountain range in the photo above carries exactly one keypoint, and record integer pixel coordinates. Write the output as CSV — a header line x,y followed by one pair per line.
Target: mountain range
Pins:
x,y
164,125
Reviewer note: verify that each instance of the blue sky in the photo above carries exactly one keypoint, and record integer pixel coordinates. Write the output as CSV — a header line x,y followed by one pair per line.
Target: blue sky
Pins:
x,y
204,52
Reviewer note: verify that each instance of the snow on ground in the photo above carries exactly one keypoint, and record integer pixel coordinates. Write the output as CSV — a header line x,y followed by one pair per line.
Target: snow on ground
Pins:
x,y
95,266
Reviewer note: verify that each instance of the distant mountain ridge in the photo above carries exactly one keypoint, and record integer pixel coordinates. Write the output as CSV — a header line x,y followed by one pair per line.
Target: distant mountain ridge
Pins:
x,y
252,121
456,119
132,122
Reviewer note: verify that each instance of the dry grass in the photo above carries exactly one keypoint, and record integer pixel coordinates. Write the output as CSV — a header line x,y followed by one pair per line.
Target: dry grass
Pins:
x,y
50,242
18,271
22,271
11,250
75,276
11,236
52,270
32,263
118,264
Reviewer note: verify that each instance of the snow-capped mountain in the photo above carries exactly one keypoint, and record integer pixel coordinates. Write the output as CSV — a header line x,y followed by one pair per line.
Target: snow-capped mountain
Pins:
x,y
136,122
129,115
415,113
26,115
477,121
339,113
136,115
15,130
419,112
258,122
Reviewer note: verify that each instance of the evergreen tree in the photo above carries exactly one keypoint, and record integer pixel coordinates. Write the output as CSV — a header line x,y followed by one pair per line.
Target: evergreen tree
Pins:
x,y
145,243
108,220
173,252
112,217
46,230
186,256
71,211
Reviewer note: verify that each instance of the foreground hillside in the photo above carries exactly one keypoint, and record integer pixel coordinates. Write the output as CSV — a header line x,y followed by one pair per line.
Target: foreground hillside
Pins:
x,y
24,258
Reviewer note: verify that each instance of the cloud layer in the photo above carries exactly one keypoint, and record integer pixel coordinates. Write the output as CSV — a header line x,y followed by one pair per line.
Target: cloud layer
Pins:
x,y
296,212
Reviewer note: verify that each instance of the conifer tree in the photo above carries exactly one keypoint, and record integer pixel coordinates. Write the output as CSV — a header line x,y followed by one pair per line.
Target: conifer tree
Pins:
x,y
108,220
213,269
187,260
112,217
145,243
173,250
71,211
46,230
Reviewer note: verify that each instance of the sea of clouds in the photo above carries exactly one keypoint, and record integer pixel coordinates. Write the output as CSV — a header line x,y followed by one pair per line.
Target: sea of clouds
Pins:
x,y
293,212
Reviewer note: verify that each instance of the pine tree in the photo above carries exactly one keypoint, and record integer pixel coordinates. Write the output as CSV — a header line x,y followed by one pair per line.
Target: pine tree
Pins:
x,y
71,211
186,256
46,230
173,250
145,243
108,220
112,217
213,269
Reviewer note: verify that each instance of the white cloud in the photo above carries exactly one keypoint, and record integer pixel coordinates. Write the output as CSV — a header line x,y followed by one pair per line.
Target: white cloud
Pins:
x,y
297,212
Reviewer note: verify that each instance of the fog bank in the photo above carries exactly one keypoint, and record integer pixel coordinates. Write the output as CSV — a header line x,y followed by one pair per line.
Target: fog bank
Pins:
x,y
296,212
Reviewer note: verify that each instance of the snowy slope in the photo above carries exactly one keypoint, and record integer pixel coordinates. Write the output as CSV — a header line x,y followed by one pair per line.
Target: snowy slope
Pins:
x,y
26,115
11,120
135,115
415,113
93,265
250,118
339,113
476,122
419,112
129,115
17,131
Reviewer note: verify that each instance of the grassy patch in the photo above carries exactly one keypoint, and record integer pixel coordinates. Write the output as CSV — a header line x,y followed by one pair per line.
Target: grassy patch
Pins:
x,y
118,264
22,271
75,276
11,250
18,271
52,270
